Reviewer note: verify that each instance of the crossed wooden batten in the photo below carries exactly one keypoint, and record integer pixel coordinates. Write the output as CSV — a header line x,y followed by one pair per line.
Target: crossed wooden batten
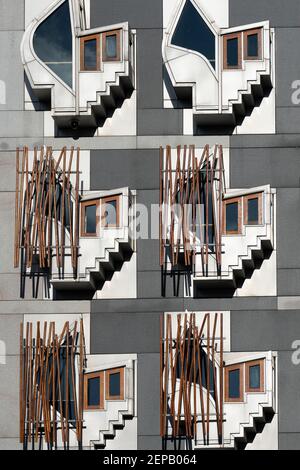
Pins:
x,y
46,205
191,373
51,385
191,194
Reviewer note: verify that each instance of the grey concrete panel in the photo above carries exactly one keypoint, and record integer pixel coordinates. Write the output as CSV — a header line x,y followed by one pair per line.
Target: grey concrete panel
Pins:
x,y
272,164
11,71
7,226
288,228
289,441
9,329
264,330
36,307
139,13
147,306
287,66
149,76
288,281
9,398
16,124
255,141
10,444
289,303
289,396
236,303
160,122
7,171
288,119
148,443
137,169
122,334
148,394
244,12
148,255
175,304
12,15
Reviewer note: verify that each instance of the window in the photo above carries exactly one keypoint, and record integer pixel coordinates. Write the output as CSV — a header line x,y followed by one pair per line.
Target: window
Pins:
x,y
90,53
232,216
94,391
52,42
234,383
255,376
111,46
110,213
193,33
114,379
232,51
89,218
253,44
253,209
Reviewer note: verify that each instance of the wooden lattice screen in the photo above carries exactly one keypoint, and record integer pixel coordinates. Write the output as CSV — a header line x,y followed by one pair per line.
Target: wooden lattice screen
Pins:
x,y
47,203
51,386
191,366
191,193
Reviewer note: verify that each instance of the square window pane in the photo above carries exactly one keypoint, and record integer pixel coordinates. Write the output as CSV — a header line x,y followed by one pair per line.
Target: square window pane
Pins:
x,y
110,213
234,383
252,45
254,376
253,211
233,52
94,391
111,46
232,217
90,54
91,219
115,385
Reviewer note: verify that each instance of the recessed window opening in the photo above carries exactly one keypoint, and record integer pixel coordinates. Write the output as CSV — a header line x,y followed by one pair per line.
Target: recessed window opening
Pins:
x,y
53,43
193,33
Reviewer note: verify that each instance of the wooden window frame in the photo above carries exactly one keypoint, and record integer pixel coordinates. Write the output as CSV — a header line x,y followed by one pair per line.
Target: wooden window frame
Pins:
x,y
251,32
258,362
110,372
84,204
87,377
228,369
260,211
83,40
227,37
232,201
104,201
118,58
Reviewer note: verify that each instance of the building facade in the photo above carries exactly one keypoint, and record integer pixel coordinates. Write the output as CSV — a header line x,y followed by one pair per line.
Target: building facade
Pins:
x,y
149,195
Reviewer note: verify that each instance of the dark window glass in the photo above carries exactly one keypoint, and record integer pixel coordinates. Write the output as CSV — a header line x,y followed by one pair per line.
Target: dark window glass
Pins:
x,y
52,43
90,54
115,385
233,52
254,376
193,33
111,46
94,391
91,219
110,213
232,217
253,211
252,45
234,383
